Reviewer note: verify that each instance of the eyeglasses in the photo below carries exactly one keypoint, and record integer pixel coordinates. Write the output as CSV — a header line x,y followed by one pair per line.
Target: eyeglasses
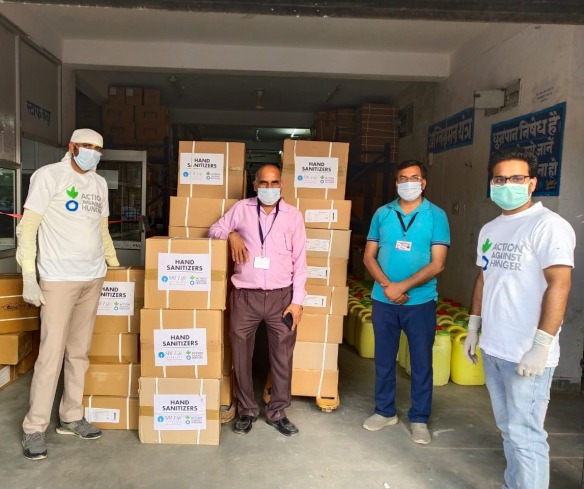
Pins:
x,y
414,178
517,179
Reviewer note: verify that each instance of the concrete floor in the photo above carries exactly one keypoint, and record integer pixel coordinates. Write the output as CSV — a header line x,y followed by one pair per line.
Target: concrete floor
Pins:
x,y
332,451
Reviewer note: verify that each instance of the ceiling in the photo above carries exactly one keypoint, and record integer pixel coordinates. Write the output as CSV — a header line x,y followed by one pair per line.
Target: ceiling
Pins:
x,y
369,27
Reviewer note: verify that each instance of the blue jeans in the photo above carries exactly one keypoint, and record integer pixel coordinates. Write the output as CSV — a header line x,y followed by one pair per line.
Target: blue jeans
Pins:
x,y
419,325
520,405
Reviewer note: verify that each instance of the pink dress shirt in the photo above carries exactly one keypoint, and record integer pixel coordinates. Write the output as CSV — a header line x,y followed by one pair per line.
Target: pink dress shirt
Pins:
x,y
284,245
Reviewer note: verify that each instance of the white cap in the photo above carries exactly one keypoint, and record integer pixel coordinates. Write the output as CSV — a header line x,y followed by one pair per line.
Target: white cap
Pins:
x,y
87,136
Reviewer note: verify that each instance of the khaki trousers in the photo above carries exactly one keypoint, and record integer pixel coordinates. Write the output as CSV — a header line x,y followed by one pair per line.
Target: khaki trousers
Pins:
x,y
248,309
67,321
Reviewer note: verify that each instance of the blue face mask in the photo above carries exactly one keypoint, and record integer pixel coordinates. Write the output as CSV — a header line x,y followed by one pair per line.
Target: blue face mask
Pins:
x,y
87,158
510,196
268,196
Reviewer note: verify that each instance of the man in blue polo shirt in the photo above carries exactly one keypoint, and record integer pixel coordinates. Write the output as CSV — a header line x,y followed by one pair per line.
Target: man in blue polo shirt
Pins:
x,y
406,248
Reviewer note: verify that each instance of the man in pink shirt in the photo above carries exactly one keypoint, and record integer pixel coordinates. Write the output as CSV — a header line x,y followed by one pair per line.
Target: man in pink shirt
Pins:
x,y
268,245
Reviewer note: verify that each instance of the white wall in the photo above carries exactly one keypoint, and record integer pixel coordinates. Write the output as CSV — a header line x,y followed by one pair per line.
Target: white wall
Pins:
x,y
542,57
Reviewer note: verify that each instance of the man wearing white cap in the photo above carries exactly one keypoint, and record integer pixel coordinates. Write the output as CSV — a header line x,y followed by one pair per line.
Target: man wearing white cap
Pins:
x,y
67,207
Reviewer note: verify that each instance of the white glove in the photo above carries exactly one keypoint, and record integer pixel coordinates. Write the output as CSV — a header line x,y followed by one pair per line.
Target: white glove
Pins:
x,y
472,338
31,292
533,362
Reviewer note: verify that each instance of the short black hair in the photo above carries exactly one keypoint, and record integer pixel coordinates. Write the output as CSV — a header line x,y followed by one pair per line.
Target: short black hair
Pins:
x,y
406,164
514,153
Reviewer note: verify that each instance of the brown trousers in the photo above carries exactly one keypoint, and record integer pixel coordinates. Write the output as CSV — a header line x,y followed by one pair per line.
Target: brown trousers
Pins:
x,y
67,322
248,308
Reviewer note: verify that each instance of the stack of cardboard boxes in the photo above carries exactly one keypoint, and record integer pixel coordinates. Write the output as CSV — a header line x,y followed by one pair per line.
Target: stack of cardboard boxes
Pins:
x,y
376,127
111,381
334,125
186,364
19,331
134,116
315,179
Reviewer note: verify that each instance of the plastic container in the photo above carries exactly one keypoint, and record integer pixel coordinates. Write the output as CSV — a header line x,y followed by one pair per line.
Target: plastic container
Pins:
x,y
365,341
350,303
462,371
351,322
441,353
402,350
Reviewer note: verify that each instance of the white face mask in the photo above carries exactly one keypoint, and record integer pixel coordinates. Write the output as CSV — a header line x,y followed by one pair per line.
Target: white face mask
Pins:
x,y
268,196
409,191
86,159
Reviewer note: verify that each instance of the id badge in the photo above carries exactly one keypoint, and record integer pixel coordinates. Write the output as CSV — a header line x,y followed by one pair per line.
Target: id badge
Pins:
x,y
403,245
261,262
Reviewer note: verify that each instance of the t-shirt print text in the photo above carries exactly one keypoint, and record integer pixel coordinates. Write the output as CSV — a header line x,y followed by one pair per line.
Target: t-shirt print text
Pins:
x,y
86,202
503,255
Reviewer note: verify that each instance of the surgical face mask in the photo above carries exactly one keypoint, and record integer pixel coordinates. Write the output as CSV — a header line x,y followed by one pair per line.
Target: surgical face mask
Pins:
x,y
409,191
510,196
87,158
268,196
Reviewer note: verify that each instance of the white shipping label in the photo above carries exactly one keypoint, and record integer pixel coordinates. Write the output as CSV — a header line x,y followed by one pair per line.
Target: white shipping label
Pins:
x,y
316,172
314,301
182,271
318,245
321,215
318,272
180,412
4,375
201,168
175,347
102,415
117,299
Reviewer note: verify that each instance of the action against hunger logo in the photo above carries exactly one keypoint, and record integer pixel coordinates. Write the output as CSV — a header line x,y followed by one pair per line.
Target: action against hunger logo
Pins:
x,y
486,246
503,255
72,205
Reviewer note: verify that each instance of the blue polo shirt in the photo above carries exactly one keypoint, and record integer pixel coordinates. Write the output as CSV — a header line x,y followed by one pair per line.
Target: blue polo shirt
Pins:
x,y
430,227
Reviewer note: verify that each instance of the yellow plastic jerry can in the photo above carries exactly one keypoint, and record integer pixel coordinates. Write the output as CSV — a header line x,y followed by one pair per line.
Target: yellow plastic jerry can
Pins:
x,y
462,371
365,343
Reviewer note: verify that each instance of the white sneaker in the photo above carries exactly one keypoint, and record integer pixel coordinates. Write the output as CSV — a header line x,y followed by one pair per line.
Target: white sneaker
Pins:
x,y
376,422
420,433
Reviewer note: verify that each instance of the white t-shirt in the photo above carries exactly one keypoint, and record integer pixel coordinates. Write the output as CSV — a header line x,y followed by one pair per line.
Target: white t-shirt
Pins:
x,y
513,251
69,238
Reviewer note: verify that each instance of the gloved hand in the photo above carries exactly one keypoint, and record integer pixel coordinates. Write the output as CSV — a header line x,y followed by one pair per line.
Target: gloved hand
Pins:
x,y
31,292
472,338
533,362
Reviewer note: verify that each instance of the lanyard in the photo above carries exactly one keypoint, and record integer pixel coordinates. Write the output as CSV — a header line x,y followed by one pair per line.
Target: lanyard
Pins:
x,y
401,221
262,238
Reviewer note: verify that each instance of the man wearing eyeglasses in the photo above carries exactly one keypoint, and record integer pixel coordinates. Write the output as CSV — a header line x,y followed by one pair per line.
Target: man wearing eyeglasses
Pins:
x,y
526,256
406,248
268,245
67,210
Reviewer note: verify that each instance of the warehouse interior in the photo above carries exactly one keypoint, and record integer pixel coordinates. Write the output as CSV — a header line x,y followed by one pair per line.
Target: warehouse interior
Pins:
x,y
260,73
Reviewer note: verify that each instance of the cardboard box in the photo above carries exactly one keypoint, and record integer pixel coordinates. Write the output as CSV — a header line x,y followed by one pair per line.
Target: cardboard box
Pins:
x,y
27,363
211,169
327,271
112,379
151,96
198,213
226,396
315,356
117,95
114,348
126,318
184,344
14,347
314,169
151,133
120,132
15,314
185,273
328,243
7,375
187,232
321,299
134,96
318,328
325,214
315,383
180,397
112,413
117,114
